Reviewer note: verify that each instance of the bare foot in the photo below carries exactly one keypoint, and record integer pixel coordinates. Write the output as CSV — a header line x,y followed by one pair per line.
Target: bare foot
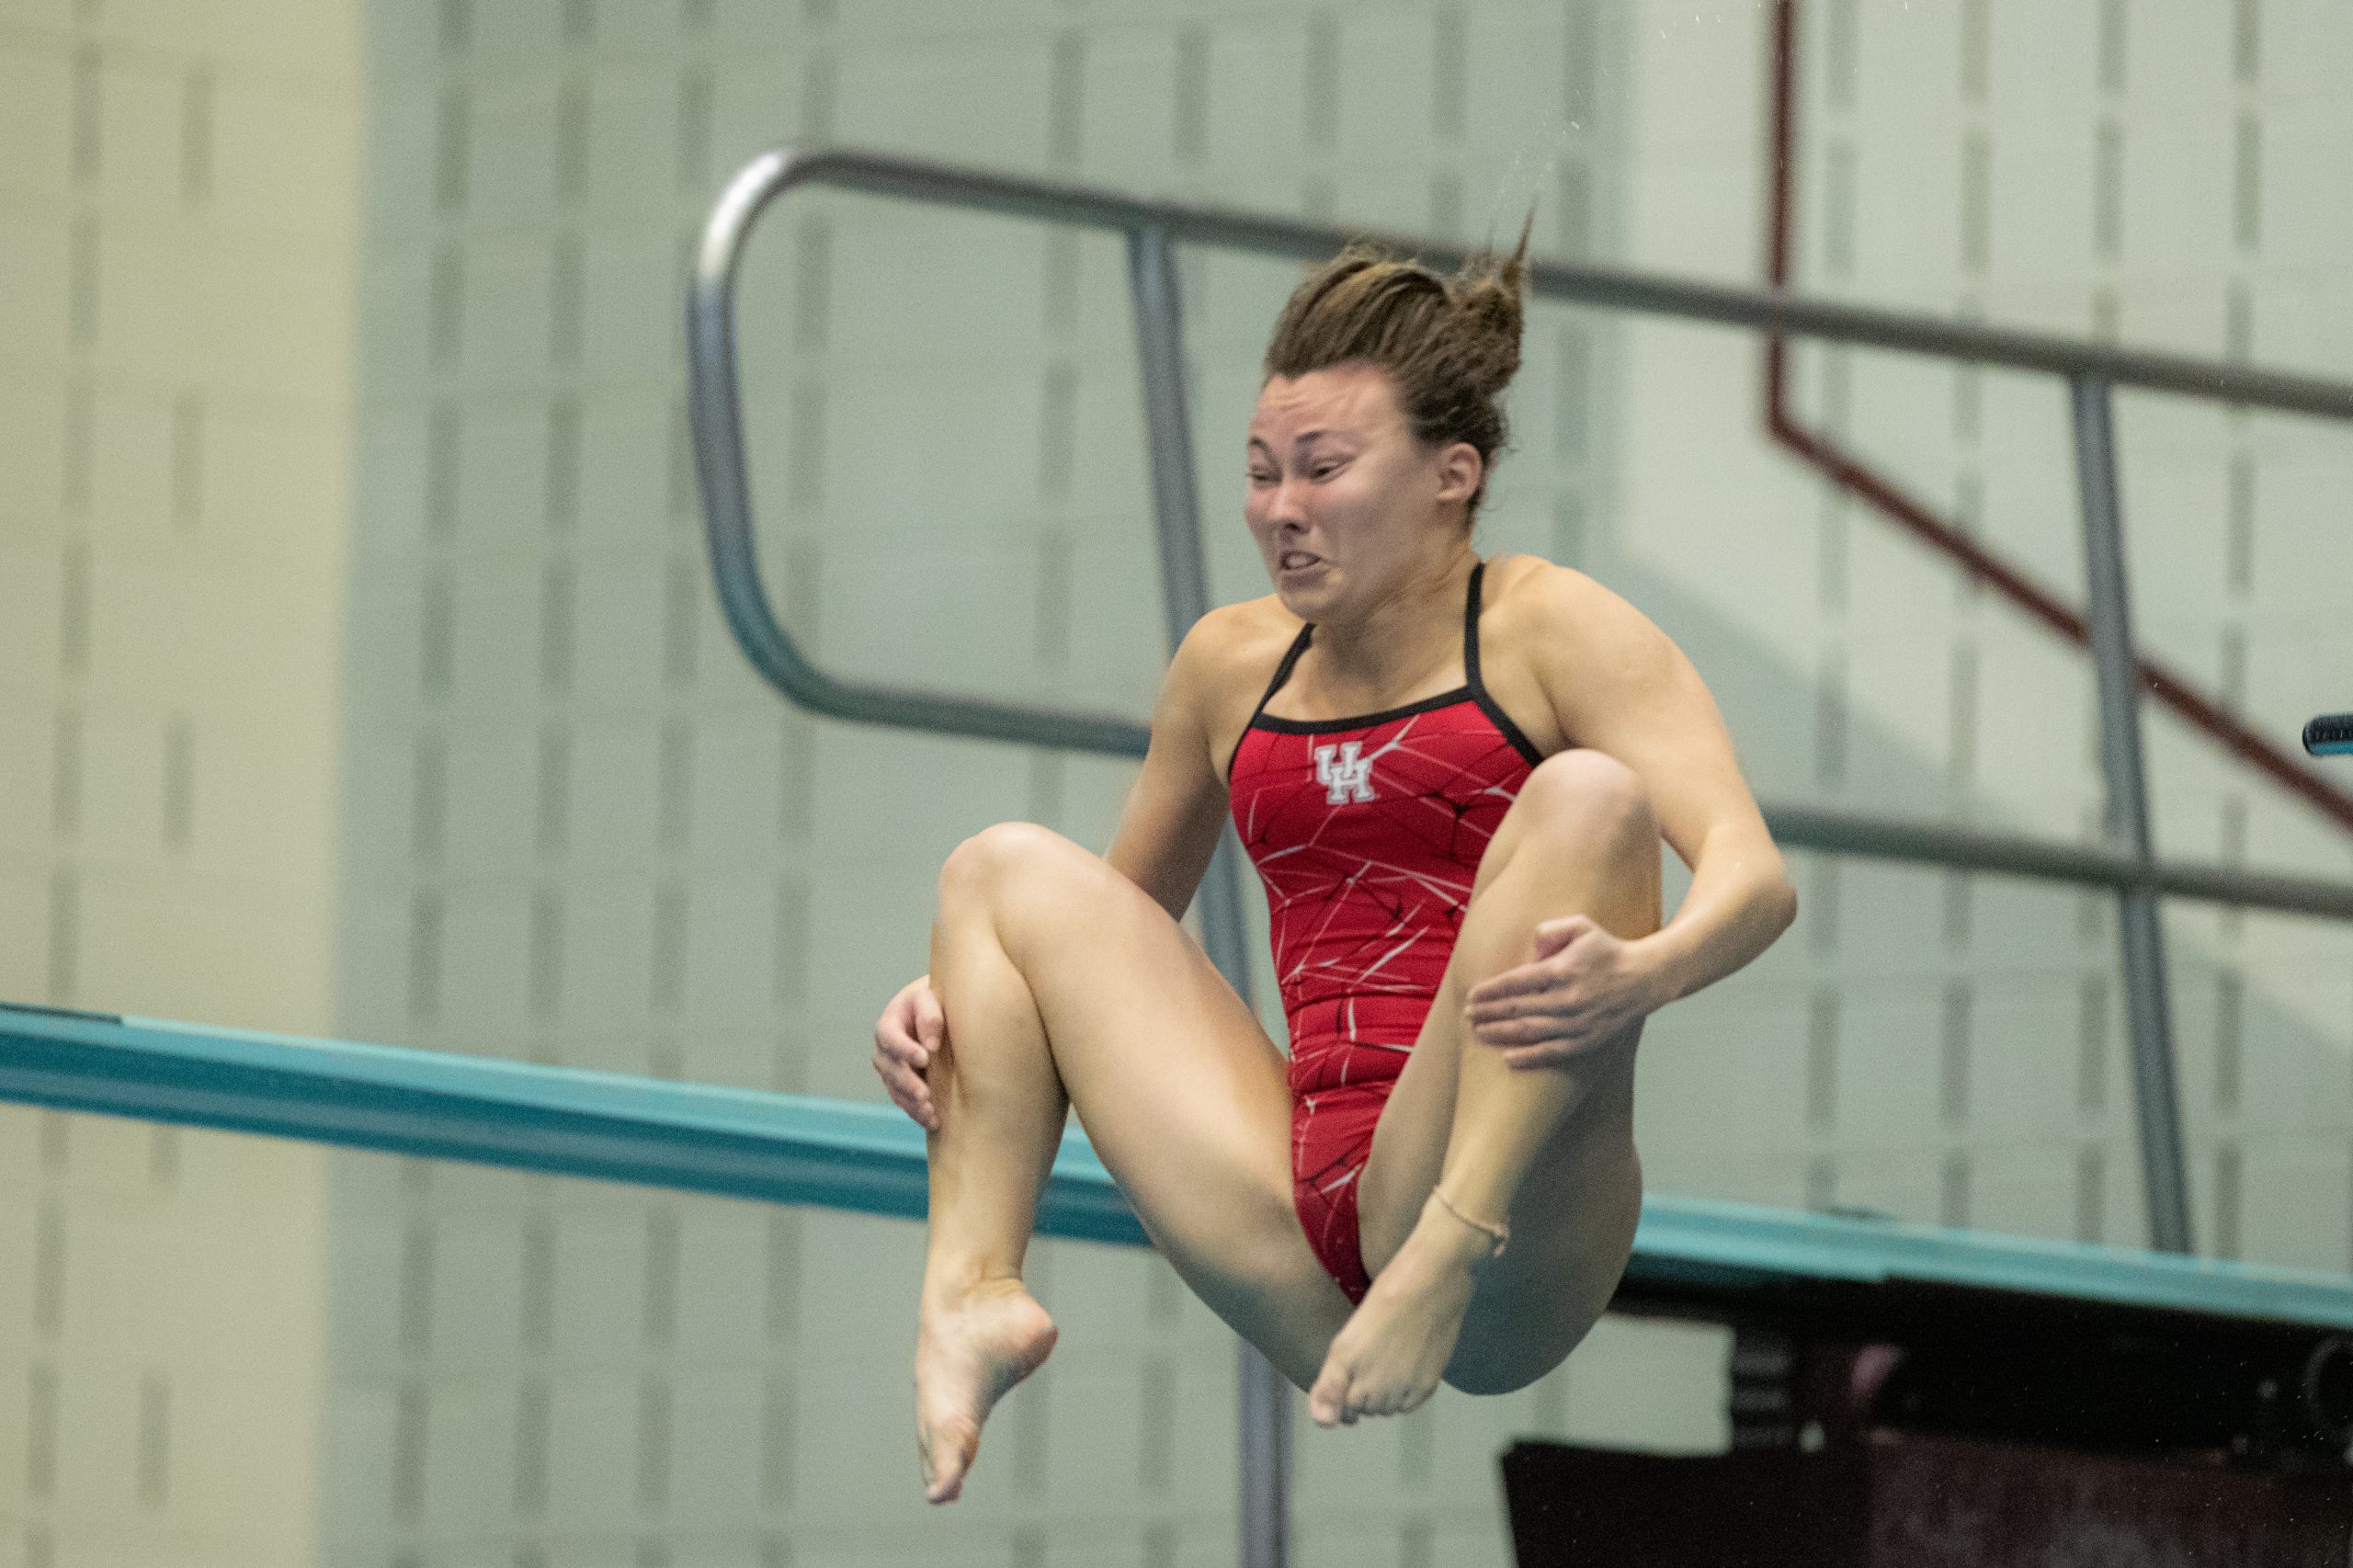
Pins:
x,y
969,1349
1388,1357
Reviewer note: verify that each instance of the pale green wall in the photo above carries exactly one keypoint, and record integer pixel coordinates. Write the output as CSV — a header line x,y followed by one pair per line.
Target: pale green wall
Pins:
x,y
178,245
571,827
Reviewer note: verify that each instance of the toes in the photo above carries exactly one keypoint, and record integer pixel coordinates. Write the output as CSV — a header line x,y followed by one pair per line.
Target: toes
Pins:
x,y
1398,1401
1328,1402
932,1479
947,1451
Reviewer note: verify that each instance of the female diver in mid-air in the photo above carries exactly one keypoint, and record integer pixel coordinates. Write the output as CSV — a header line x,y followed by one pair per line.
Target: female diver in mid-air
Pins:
x,y
1454,788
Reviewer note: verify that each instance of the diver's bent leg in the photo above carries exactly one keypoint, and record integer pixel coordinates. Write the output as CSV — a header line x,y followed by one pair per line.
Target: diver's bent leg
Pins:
x,y
1000,1112
1591,849
1001,1102
1494,1139
1063,984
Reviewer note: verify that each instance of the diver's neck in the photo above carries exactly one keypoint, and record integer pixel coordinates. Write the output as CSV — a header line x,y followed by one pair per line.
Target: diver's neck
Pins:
x,y
1404,635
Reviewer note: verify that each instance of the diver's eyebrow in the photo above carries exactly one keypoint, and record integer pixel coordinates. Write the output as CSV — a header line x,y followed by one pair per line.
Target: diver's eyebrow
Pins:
x,y
1302,439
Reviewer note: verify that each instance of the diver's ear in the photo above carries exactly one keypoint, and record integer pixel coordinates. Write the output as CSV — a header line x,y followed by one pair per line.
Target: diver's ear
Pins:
x,y
1459,470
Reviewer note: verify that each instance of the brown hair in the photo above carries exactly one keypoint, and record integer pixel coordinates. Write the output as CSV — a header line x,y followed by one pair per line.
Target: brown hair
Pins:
x,y
1450,345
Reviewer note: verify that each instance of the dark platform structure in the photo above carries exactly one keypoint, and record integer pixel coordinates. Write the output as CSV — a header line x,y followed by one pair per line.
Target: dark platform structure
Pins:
x,y
1937,1425
1897,1498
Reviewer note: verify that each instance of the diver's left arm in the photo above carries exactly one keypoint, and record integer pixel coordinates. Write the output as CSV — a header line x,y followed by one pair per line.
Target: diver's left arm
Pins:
x,y
1621,687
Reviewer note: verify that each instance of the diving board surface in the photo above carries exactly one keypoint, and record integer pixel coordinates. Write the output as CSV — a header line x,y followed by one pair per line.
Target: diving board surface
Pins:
x,y
1692,1257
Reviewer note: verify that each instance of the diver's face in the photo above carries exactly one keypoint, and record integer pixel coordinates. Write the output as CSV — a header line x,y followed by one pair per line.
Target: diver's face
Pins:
x,y
1342,496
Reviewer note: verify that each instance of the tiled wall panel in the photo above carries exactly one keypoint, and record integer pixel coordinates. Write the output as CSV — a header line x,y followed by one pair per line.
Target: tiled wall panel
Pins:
x,y
576,830
179,193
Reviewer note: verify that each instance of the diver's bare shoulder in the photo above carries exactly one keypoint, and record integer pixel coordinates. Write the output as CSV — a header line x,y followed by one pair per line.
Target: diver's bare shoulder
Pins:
x,y
1241,644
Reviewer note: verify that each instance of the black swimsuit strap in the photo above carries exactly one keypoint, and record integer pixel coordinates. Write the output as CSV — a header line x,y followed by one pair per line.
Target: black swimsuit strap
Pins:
x,y
1471,629
1479,694
1282,674
1282,671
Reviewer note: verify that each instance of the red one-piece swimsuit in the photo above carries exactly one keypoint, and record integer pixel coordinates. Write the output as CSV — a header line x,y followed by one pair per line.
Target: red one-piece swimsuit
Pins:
x,y
1368,833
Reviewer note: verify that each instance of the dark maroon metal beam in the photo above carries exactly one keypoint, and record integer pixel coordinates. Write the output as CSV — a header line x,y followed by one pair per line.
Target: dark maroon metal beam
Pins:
x,y
1851,474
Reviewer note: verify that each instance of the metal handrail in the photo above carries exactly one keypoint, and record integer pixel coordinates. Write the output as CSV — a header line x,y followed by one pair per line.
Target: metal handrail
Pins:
x,y
718,423
1766,311
716,413
1966,849
1152,228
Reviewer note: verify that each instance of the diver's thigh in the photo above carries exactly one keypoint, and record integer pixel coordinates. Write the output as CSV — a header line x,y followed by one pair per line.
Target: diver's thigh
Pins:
x,y
1178,1088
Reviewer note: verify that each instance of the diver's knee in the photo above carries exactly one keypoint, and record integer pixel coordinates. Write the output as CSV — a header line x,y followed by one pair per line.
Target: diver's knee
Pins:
x,y
986,863
1589,796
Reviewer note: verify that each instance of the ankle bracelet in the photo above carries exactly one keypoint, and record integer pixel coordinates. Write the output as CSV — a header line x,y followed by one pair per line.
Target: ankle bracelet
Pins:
x,y
1501,1232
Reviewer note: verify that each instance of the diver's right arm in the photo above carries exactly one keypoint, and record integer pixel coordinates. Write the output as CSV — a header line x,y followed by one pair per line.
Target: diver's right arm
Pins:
x,y
1167,832
1176,806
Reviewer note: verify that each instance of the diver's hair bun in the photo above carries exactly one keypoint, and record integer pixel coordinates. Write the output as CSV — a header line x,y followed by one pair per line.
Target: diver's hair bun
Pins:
x,y
1452,345
1492,293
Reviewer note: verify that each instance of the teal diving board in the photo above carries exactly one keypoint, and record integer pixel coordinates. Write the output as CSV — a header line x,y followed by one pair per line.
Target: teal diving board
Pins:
x,y
1692,1257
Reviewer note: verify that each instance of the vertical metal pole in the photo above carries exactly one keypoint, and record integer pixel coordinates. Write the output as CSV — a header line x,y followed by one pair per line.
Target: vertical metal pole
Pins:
x,y
2159,1106
1264,1396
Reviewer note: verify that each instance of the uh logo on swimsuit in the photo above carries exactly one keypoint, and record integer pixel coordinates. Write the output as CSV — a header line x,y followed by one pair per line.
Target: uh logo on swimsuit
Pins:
x,y
1346,779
